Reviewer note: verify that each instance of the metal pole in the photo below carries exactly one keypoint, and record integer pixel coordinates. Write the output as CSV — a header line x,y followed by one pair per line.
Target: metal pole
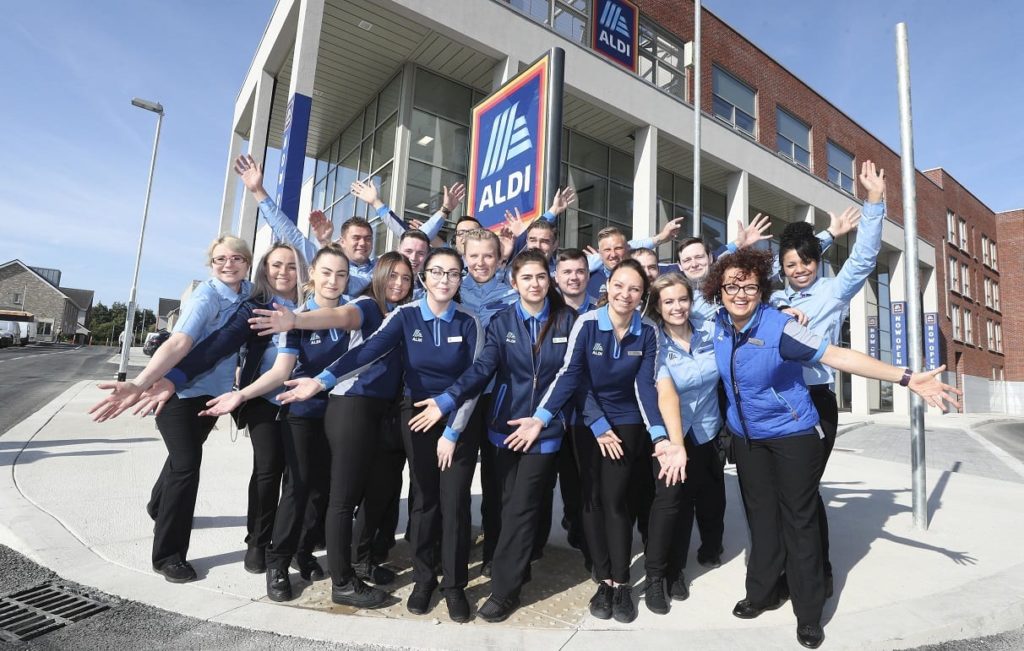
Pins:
x,y
129,325
696,118
913,283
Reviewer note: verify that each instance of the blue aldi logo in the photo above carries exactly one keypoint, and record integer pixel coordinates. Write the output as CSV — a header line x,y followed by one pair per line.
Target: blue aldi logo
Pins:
x,y
615,31
509,149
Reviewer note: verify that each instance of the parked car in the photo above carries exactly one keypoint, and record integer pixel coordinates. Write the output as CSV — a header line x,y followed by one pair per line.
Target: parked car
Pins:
x,y
154,340
7,339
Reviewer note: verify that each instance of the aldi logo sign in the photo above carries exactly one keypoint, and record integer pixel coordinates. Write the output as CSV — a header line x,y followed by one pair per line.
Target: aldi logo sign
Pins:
x,y
615,31
514,149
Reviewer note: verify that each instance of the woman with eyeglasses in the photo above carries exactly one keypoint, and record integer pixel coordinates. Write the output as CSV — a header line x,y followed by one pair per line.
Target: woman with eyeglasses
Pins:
x,y
437,341
183,430
631,416
760,353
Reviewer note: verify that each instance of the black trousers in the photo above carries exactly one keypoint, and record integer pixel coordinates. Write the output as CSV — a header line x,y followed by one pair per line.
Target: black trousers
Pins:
x,y
353,428
490,485
567,478
305,451
173,498
266,432
607,512
524,481
703,500
662,551
828,418
442,505
377,518
779,481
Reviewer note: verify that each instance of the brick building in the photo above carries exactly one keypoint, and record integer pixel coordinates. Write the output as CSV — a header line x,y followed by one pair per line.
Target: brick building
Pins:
x,y
23,288
391,84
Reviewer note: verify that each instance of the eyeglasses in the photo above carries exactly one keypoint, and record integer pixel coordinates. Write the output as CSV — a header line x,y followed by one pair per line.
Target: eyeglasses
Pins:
x,y
748,290
437,273
222,260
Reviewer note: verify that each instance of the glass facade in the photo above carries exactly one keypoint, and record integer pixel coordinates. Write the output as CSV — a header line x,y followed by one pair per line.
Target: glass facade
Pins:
x,y
880,393
675,199
603,178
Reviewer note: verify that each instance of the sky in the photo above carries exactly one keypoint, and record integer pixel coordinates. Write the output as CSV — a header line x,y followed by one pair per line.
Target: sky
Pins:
x,y
75,153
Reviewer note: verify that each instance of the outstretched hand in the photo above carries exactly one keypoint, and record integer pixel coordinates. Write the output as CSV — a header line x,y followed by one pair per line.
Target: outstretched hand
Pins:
x,y
669,230
514,222
845,222
673,462
251,174
322,227
366,192
873,180
611,445
268,322
154,398
562,200
453,196
299,389
757,231
934,392
225,403
427,418
122,396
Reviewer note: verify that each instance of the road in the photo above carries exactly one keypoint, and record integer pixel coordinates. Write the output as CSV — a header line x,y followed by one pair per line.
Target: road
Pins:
x,y
32,376
1008,436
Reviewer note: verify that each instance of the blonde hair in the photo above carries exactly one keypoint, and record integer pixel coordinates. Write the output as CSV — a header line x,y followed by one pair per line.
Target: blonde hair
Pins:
x,y
662,282
262,291
236,244
482,235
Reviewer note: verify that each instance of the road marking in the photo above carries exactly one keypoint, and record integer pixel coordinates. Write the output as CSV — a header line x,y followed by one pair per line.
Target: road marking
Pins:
x,y
998,452
14,359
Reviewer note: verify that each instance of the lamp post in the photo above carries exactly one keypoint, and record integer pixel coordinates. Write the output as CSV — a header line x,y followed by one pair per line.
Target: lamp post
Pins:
x,y
129,323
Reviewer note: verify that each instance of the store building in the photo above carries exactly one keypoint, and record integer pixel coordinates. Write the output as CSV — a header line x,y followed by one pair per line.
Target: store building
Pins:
x,y
350,89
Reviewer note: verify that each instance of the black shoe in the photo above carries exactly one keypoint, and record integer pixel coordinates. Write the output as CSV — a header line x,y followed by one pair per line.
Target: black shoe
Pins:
x,y
458,606
485,569
601,602
177,571
307,566
419,600
746,610
810,635
710,560
358,594
828,586
623,608
679,590
255,560
279,588
655,597
375,574
496,609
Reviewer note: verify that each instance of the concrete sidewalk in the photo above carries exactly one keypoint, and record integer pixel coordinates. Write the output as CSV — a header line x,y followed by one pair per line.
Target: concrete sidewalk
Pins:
x,y
73,501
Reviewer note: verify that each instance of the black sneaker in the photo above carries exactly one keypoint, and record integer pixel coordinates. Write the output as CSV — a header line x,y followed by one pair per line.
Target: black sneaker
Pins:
x,y
419,600
177,571
279,588
485,569
375,574
496,609
679,590
358,594
255,560
458,606
810,635
307,566
655,597
710,560
601,602
623,608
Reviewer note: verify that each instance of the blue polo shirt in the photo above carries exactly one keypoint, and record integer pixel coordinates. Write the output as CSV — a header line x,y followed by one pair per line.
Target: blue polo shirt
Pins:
x,y
695,376
277,344
208,308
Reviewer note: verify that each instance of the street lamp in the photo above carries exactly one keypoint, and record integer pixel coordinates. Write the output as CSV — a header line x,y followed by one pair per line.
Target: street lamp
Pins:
x,y
129,323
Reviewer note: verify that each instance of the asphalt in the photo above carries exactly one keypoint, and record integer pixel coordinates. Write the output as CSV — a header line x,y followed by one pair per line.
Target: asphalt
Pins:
x,y
73,499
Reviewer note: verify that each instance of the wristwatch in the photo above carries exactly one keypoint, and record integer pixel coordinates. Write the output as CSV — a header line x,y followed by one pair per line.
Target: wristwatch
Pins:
x,y
659,440
907,374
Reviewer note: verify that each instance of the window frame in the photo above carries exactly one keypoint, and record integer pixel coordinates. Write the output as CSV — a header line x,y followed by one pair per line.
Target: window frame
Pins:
x,y
957,323
793,146
731,120
965,279
968,331
984,249
964,242
829,146
953,271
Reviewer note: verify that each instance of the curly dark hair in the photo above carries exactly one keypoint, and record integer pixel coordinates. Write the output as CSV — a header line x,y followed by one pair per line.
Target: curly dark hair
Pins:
x,y
799,237
751,263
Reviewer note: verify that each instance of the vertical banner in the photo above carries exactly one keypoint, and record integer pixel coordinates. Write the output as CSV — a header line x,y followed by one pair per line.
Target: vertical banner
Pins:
x,y
873,336
931,341
293,154
615,31
515,146
899,333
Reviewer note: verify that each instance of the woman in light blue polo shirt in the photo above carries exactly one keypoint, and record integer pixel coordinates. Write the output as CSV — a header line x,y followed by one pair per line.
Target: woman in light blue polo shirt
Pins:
x,y
208,308
686,356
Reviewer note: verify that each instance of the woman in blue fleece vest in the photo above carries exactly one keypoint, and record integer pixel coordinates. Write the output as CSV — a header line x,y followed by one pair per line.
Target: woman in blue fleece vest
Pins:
x,y
760,354
614,351
437,341
524,349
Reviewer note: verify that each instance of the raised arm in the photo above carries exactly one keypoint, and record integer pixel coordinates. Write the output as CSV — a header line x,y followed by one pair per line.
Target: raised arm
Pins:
x,y
284,229
861,263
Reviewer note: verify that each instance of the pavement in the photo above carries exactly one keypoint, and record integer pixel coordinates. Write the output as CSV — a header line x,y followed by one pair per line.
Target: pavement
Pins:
x,y
73,499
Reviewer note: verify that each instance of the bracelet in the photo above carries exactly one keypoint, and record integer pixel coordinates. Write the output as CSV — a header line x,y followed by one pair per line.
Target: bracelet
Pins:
x,y
907,374
659,440
447,213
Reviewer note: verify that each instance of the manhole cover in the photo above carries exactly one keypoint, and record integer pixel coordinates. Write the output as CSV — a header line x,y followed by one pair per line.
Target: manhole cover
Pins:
x,y
30,613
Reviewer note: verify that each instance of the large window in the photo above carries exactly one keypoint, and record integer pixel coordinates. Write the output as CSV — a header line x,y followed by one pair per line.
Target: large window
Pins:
x,y
660,60
840,167
675,199
956,323
988,292
603,178
568,17
993,257
990,336
954,275
995,297
878,303
965,242
968,327
984,250
951,226
999,337
733,101
965,280
793,138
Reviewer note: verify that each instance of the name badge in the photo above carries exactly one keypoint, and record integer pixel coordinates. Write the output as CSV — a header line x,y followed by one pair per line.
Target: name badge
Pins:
x,y
455,340
705,348
755,341
635,353
559,340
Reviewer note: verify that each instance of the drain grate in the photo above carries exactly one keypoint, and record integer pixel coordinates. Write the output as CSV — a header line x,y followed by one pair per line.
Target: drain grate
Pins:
x,y
30,613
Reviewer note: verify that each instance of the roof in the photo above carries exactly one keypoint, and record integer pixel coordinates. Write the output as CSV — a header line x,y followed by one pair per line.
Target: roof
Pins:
x,y
36,274
167,305
80,297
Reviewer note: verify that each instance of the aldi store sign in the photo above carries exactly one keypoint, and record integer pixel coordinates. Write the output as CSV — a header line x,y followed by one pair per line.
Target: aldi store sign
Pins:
x,y
615,31
514,145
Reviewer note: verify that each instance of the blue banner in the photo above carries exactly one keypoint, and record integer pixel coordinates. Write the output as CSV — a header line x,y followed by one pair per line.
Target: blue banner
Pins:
x,y
932,341
293,154
873,336
615,31
511,150
899,333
